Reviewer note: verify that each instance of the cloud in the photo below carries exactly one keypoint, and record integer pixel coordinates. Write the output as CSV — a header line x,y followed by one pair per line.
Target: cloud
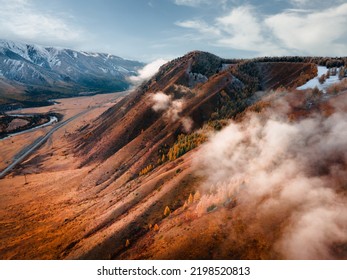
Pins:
x,y
147,71
243,30
175,109
289,32
20,20
315,3
287,179
240,29
187,124
200,26
172,109
161,101
315,33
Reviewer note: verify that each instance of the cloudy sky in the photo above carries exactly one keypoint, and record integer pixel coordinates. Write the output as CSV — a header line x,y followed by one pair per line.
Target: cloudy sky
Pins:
x,y
152,29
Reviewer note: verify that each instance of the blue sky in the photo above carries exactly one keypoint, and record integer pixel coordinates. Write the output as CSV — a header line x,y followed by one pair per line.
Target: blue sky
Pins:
x,y
150,29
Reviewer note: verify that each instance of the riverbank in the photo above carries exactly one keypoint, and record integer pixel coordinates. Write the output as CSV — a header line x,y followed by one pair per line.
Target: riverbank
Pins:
x,y
15,124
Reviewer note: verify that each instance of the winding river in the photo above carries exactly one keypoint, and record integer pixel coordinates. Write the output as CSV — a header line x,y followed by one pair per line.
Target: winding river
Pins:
x,y
52,120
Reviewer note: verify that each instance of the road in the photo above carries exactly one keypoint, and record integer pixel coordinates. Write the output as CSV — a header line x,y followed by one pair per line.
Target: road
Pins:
x,y
25,152
37,143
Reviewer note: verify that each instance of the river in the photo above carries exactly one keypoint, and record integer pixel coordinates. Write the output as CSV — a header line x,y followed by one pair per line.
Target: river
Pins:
x,y
52,120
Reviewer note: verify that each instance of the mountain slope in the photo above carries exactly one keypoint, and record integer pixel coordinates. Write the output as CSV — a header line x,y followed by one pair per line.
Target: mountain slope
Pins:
x,y
47,72
132,136
221,93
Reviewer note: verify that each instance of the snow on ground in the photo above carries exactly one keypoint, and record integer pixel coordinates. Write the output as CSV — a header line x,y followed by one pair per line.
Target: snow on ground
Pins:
x,y
315,81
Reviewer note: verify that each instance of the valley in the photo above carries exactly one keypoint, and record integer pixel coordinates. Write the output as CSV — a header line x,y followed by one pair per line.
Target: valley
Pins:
x,y
16,144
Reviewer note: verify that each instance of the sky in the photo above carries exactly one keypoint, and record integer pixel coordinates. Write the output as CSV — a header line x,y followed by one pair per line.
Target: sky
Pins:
x,y
147,30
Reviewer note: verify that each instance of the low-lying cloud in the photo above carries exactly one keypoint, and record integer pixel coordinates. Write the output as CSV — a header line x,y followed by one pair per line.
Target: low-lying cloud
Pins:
x,y
288,179
172,109
161,101
147,71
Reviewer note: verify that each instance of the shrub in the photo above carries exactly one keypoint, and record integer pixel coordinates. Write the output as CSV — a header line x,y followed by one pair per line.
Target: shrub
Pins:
x,y
211,208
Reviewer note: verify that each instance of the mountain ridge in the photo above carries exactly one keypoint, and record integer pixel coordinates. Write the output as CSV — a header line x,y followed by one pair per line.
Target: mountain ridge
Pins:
x,y
39,73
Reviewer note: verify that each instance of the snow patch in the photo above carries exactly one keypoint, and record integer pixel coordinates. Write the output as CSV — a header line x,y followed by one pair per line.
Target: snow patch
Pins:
x,y
315,81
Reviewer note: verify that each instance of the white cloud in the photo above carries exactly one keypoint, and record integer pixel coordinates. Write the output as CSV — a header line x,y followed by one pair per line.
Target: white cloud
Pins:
x,y
161,101
19,20
286,177
148,71
290,32
200,26
239,29
315,33
315,3
242,30
172,109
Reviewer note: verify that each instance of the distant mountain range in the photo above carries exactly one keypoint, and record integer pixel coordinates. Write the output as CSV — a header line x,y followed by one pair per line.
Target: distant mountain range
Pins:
x,y
32,73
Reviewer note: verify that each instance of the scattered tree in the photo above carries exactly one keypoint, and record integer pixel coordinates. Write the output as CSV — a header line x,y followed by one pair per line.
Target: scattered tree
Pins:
x,y
322,79
327,75
147,169
197,196
184,144
190,199
167,211
342,72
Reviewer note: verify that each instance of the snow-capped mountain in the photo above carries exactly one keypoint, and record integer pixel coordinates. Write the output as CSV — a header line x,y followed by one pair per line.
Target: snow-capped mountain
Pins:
x,y
62,70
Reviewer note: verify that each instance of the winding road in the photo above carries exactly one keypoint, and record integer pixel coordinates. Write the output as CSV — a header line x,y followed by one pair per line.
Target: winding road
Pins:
x,y
37,143
25,152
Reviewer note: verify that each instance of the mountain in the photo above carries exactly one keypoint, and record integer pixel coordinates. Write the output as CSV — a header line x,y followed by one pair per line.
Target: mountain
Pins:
x,y
34,73
211,158
203,86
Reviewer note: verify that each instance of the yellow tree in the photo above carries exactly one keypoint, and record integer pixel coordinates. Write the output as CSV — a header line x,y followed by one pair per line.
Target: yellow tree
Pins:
x,y
167,211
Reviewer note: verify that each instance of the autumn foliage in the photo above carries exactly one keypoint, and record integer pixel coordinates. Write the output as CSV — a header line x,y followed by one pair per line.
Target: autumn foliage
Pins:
x,y
147,169
184,144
